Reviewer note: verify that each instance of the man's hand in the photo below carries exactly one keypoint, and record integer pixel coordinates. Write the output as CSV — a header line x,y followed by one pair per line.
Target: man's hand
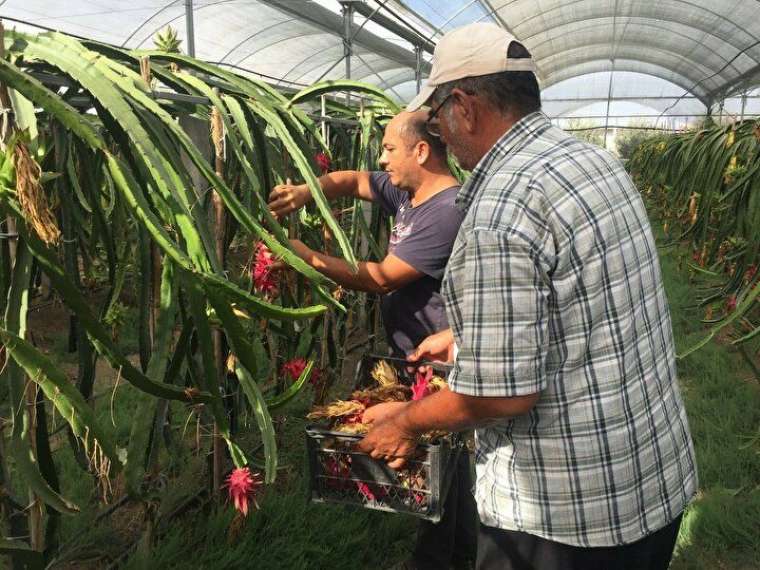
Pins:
x,y
286,198
388,440
381,412
438,347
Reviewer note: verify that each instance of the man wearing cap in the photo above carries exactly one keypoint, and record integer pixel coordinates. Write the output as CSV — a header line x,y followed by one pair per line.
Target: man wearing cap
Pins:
x,y
565,359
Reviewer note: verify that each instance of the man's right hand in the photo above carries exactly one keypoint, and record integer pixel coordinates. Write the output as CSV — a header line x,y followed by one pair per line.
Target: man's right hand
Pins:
x,y
286,198
438,347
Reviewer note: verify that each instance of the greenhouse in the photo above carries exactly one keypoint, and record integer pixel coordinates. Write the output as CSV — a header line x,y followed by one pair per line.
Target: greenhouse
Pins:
x,y
380,284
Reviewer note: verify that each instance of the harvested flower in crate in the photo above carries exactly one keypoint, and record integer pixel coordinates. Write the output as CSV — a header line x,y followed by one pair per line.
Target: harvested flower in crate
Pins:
x,y
345,416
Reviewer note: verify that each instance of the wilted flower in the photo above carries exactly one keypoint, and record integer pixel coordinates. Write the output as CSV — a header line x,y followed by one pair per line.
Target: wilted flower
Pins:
x,y
323,161
731,303
264,278
243,486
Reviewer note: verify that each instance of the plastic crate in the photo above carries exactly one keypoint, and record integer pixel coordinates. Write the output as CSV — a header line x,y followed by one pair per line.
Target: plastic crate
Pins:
x,y
338,473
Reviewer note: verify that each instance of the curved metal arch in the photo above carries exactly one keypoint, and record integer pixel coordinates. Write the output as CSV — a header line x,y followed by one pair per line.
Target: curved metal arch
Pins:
x,y
174,19
604,79
571,108
249,38
316,32
341,55
373,69
651,24
404,73
144,22
636,66
338,46
654,20
629,52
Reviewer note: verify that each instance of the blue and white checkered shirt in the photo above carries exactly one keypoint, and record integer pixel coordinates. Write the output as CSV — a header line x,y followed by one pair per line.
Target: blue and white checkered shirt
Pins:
x,y
554,286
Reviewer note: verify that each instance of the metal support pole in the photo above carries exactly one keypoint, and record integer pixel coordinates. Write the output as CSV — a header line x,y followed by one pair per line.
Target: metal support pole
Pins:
x,y
744,105
418,67
190,28
348,17
323,123
609,99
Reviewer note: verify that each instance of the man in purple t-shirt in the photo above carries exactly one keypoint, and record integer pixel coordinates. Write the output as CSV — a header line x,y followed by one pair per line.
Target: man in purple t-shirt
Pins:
x,y
416,188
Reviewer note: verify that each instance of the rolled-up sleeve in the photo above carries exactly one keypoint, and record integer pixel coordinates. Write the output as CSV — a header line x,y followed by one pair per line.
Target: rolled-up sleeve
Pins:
x,y
502,307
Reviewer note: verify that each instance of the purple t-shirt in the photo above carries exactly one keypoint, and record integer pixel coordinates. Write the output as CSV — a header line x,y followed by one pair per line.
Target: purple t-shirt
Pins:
x,y
422,237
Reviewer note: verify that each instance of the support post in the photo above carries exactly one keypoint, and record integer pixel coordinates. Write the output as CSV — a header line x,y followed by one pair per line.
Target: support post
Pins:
x,y
348,17
217,136
418,67
323,122
190,28
609,99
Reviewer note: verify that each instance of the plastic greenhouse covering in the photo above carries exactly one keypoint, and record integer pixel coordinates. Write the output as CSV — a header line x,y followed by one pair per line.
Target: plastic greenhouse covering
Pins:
x,y
671,59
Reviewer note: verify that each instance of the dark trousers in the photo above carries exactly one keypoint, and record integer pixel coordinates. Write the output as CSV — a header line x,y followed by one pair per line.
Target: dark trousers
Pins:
x,y
500,549
452,540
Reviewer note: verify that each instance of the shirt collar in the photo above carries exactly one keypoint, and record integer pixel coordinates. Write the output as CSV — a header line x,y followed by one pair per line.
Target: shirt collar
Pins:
x,y
520,131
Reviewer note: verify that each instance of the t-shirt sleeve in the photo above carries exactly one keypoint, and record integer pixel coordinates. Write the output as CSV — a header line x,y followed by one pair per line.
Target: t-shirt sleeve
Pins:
x,y
427,245
386,194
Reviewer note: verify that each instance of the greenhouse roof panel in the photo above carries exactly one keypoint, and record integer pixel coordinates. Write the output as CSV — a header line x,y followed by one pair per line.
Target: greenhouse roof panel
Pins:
x,y
711,48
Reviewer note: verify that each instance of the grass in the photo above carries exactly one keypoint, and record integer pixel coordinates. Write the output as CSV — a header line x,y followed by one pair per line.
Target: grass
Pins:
x,y
287,532
721,529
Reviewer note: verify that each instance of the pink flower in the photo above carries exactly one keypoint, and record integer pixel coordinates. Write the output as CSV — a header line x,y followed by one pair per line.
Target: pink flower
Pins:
x,y
323,161
242,487
264,279
421,388
293,368
731,303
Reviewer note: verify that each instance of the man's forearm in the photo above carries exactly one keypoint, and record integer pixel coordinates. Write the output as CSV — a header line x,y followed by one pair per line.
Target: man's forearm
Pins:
x,y
448,411
341,183
340,272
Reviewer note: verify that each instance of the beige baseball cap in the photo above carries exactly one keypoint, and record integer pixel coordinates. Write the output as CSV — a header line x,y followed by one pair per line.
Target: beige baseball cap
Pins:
x,y
470,51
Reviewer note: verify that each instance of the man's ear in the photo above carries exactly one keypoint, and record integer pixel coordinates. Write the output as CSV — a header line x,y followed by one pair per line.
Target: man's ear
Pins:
x,y
465,105
422,152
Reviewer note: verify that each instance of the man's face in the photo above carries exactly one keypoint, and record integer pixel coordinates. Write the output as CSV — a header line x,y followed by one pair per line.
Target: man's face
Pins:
x,y
446,123
399,158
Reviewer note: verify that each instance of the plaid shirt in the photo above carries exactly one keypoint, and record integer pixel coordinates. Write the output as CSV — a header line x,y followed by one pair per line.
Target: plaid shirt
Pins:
x,y
554,286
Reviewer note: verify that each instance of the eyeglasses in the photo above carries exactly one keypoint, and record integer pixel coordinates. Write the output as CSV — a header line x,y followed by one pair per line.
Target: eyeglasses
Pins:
x,y
435,128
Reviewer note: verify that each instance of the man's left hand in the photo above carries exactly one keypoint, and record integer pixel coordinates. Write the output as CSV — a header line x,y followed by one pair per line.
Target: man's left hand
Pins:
x,y
381,412
388,440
